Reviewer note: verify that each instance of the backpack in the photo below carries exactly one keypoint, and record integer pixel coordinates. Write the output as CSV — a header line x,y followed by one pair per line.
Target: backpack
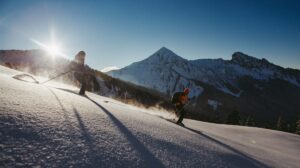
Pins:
x,y
175,97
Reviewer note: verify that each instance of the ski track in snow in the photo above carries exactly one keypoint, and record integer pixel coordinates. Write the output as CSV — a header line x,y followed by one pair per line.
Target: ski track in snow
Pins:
x,y
44,126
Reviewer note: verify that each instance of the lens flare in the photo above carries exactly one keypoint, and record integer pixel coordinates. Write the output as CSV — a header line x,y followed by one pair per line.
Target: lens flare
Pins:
x,y
52,49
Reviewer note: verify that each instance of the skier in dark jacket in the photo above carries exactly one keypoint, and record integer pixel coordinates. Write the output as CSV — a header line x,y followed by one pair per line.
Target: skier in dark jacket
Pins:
x,y
79,71
179,99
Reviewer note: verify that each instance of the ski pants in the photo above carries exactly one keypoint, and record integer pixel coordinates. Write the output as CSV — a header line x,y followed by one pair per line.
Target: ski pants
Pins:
x,y
81,77
180,112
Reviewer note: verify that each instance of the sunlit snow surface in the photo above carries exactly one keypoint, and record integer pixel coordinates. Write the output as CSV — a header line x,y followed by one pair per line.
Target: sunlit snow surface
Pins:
x,y
51,126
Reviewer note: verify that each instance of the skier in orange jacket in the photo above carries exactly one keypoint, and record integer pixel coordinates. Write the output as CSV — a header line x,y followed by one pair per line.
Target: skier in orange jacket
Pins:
x,y
179,99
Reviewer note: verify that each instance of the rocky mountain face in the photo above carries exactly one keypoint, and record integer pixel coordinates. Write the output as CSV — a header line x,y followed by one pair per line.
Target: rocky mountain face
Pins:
x,y
262,92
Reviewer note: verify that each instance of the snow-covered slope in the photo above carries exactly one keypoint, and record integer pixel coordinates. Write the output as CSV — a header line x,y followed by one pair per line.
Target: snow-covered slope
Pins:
x,y
44,126
167,72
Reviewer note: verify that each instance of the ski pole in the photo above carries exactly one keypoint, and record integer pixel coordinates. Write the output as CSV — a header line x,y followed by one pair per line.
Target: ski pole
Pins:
x,y
56,76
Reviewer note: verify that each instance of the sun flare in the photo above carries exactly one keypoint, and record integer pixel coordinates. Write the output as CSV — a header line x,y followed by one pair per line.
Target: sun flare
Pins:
x,y
53,50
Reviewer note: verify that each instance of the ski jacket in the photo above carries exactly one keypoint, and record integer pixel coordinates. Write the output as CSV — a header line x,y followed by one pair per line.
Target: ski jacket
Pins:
x,y
179,98
183,98
77,64
77,67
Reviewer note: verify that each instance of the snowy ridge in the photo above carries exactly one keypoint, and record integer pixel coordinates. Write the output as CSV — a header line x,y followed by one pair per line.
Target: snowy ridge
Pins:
x,y
46,126
168,72
111,68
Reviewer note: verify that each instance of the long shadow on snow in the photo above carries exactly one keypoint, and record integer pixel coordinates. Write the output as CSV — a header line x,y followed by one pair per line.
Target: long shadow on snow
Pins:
x,y
66,117
89,141
239,161
191,155
149,159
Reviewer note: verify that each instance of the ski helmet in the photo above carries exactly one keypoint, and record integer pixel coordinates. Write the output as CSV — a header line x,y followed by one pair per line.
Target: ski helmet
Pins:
x,y
80,57
186,90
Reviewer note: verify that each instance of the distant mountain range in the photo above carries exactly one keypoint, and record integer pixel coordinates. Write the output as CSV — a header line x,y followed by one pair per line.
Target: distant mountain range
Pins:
x,y
168,72
258,89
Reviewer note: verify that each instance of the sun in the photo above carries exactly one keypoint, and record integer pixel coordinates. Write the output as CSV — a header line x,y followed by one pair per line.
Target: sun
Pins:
x,y
53,50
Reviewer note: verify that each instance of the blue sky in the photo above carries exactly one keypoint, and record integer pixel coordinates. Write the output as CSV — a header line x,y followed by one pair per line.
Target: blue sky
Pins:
x,y
119,32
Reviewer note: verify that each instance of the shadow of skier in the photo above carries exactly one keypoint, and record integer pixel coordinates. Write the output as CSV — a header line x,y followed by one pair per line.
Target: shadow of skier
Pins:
x,y
94,156
65,113
149,159
253,162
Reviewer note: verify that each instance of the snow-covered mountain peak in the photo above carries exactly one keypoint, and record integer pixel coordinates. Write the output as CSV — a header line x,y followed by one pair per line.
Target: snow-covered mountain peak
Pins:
x,y
239,57
249,61
110,68
164,56
165,51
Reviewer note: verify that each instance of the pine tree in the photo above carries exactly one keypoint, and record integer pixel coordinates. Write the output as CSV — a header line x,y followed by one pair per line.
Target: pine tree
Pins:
x,y
298,126
249,121
234,118
279,123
